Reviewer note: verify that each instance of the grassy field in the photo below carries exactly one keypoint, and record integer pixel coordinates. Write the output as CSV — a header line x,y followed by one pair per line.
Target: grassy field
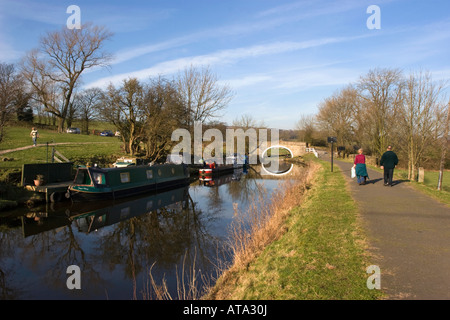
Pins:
x,y
321,256
17,136
81,149
76,147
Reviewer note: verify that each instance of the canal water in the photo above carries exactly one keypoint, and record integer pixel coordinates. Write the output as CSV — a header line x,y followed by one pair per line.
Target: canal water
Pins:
x,y
174,236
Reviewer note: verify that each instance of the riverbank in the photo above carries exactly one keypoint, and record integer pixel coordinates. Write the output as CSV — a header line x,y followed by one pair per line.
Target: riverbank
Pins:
x,y
320,253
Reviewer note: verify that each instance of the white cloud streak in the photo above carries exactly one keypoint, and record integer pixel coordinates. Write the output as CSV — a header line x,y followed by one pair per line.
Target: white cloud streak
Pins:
x,y
279,16
221,57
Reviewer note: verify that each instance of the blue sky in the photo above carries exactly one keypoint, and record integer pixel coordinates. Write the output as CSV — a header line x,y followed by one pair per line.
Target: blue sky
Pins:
x,y
280,58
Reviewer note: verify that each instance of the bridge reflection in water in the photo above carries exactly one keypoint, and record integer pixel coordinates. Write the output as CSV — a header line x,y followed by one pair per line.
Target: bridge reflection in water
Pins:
x,y
116,243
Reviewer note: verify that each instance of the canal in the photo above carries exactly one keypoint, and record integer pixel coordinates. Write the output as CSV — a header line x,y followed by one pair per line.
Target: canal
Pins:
x,y
172,238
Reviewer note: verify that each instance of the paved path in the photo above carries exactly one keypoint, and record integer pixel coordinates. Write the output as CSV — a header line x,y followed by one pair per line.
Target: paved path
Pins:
x,y
409,235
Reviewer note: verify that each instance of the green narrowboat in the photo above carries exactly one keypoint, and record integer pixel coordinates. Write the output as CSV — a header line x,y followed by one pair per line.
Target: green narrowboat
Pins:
x,y
93,183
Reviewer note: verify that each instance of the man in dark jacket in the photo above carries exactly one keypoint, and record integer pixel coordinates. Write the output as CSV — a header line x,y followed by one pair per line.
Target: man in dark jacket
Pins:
x,y
388,162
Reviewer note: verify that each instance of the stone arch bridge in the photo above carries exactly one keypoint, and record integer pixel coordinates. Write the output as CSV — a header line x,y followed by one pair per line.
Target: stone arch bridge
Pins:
x,y
297,148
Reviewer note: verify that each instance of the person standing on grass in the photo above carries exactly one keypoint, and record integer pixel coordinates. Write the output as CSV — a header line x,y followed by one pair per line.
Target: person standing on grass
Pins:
x,y
388,162
34,135
360,167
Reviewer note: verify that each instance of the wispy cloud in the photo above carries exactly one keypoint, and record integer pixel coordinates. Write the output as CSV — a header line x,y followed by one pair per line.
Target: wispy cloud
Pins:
x,y
319,78
265,20
300,10
135,52
219,57
247,80
285,8
7,53
35,11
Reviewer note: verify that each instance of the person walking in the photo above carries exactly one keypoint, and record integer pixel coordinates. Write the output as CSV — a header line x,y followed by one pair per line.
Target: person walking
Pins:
x,y
34,135
388,162
360,167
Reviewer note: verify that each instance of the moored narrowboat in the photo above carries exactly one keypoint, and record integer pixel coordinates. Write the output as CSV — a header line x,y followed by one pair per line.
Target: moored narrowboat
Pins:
x,y
93,183
213,169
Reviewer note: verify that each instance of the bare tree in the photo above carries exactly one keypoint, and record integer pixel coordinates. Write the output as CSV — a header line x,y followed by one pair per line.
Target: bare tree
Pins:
x,y
72,111
418,118
54,69
163,111
11,87
246,121
88,101
336,115
381,92
247,127
306,127
22,106
203,96
123,107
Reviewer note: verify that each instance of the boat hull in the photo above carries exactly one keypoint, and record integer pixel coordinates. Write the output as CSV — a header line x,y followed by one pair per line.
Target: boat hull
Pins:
x,y
225,169
137,181
79,196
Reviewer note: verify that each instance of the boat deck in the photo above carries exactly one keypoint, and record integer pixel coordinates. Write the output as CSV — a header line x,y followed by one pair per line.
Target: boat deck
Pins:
x,y
53,191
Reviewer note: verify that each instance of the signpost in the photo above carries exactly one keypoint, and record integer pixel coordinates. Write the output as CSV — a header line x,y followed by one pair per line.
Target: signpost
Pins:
x,y
332,140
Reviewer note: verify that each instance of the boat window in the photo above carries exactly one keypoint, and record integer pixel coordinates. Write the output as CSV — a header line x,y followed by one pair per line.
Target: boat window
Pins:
x,y
83,177
149,174
125,177
99,178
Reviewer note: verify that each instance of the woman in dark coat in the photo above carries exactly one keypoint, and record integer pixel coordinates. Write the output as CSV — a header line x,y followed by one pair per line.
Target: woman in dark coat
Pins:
x,y
360,167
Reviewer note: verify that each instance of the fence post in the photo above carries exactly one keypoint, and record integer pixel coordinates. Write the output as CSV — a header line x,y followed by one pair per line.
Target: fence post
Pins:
x,y
421,175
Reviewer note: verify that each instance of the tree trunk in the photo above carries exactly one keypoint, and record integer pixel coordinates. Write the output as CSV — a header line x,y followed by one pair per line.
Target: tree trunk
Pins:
x,y
131,147
409,169
61,121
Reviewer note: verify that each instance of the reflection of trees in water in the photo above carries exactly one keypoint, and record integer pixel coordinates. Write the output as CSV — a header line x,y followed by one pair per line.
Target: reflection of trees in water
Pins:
x,y
60,246
173,235
214,199
248,187
252,185
68,251
165,236
8,241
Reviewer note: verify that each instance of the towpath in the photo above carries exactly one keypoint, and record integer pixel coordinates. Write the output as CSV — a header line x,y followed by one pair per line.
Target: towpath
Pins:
x,y
409,236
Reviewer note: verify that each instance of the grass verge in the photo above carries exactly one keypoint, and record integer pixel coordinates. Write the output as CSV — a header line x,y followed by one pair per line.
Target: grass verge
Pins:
x,y
321,253
76,147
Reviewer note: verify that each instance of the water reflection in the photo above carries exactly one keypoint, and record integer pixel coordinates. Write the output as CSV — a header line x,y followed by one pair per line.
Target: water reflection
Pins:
x,y
116,243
